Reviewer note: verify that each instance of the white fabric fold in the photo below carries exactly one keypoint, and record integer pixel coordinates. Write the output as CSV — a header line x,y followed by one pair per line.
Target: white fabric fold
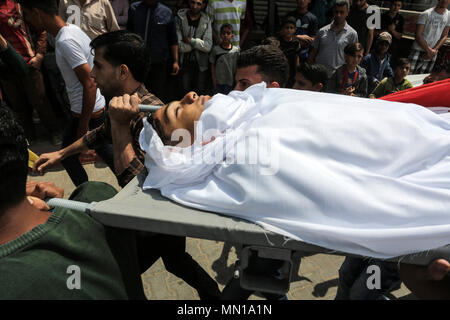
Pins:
x,y
362,176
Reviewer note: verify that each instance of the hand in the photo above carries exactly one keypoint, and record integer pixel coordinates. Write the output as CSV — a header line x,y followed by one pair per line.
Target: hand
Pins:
x,y
187,40
39,204
349,91
431,282
307,40
43,190
36,61
3,43
175,69
124,108
46,160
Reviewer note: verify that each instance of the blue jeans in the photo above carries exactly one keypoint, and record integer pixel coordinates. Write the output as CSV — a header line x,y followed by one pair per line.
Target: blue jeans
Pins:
x,y
353,278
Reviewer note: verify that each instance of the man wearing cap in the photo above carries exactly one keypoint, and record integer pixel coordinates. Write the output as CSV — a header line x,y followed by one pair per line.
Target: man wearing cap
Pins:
x,y
377,63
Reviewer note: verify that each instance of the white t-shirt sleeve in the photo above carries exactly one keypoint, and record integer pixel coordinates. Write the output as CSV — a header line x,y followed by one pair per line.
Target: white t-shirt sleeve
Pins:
x,y
423,17
72,53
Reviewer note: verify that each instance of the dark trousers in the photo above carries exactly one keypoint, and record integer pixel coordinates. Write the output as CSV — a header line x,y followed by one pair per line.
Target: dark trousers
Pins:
x,y
192,79
72,164
26,94
157,79
172,250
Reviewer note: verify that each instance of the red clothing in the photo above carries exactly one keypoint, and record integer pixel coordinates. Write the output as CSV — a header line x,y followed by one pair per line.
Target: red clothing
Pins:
x,y
14,29
436,94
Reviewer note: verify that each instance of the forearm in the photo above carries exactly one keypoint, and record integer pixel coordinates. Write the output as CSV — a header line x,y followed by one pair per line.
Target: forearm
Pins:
x,y
77,147
89,97
441,42
369,42
122,147
422,43
174,50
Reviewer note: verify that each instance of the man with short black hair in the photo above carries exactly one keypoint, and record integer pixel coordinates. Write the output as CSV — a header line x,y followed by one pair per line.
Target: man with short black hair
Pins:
x,y
195,42
358,19
328,46
261,63
311,77
75,61
120,67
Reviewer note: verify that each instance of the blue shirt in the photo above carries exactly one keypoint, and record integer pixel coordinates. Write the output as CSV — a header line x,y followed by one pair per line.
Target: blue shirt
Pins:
x,y
376,69
156,25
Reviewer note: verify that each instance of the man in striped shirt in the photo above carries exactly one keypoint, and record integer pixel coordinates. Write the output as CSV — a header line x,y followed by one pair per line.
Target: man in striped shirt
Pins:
x,y
226,11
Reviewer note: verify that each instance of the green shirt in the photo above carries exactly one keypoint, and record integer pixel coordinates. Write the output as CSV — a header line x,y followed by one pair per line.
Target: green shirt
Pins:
x,y
40,263
388,86
12,62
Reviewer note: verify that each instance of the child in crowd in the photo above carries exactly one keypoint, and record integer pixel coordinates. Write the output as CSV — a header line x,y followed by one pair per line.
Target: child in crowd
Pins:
x,y
350,79
290,46
398,82
223,61
377,63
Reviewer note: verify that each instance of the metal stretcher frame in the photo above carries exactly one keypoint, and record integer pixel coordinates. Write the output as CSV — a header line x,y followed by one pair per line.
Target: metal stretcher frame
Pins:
x,y
149,211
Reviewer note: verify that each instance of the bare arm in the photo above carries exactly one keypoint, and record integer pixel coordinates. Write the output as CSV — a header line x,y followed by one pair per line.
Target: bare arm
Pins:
x,y
369,41
121,111
442,39
48,160
83,73
419,38
312,55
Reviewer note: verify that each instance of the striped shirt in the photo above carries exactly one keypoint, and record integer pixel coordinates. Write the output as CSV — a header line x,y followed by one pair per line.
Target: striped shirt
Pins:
x,y
224,11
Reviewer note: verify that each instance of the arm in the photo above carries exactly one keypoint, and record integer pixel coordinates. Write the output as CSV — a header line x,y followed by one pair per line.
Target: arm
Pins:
x,y
204,44
442,39
48,160
369,41
11,58
175,66
111,21
121,111
182,41
312,55
89,96
421,41
41,49
173,42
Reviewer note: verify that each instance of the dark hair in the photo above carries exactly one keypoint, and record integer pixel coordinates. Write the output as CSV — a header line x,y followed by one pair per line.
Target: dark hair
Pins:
x,y
352,48
314,72
13,160
288,20
47,6
341,3
399,62
271,61
271,41
226,25
443,66
392,1
125,47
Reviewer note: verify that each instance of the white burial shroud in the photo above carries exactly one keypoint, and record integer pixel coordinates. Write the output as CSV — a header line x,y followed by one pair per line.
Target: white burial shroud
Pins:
x,y
357,175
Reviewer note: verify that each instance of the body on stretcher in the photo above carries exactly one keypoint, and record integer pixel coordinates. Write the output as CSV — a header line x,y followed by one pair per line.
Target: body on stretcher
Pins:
x,y
133,208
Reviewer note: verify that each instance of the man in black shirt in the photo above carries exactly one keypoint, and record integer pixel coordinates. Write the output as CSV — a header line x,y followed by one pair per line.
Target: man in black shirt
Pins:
x,y
357,19
392,21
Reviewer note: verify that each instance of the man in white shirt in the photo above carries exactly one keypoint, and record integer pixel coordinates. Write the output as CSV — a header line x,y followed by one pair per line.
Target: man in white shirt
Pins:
x,y
431,32
75,61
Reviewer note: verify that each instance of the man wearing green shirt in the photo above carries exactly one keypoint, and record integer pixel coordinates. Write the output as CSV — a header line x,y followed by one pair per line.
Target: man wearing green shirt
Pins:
x,y
396,83
57,254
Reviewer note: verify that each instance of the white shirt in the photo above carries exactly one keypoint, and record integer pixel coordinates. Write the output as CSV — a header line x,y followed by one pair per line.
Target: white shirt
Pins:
x,y
434,23
72,50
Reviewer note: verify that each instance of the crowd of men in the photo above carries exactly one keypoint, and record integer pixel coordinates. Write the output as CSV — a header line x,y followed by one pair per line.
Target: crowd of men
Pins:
x,y
72,57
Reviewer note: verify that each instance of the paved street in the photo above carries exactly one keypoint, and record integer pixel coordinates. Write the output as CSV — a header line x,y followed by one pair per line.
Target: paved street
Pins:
x,y
315,280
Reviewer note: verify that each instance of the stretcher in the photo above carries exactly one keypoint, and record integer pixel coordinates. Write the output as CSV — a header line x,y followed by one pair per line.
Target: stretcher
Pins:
x,y
133,208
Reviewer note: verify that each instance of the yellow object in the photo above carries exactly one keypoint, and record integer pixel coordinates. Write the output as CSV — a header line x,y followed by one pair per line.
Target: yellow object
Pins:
x,y
32,157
